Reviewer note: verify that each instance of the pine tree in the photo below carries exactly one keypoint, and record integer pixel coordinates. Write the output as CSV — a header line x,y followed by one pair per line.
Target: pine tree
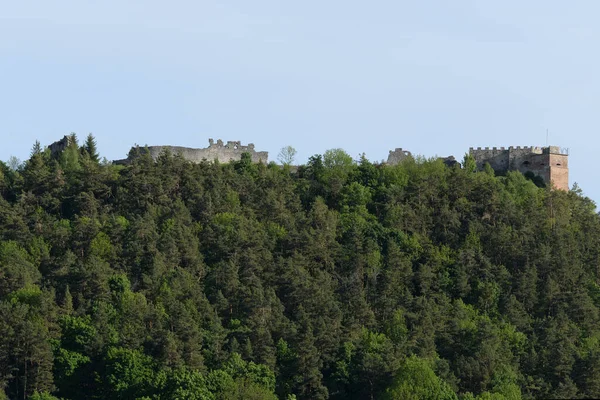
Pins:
x,y
90,148
36,149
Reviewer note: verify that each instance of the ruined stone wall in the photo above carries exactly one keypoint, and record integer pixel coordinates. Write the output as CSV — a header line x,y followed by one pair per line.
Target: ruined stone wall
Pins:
x,y
397,156
497,157
59,145
231,151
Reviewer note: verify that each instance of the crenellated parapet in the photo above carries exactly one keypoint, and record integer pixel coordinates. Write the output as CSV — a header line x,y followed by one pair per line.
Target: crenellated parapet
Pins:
x,y
487,149
497,150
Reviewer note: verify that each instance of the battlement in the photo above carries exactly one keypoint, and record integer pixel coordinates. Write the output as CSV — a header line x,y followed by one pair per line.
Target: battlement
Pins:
x,y
487,149
524,149
549,162
532,149
556,150
493,151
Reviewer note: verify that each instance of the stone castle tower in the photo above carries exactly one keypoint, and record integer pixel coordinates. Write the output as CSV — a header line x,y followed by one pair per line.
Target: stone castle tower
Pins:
x,y
550,163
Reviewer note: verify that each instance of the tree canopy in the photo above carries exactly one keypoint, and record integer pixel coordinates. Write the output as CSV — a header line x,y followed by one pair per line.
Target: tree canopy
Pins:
x,y
343,279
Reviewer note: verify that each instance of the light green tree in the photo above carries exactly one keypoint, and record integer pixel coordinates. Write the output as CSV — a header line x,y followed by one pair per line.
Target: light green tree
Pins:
x,y
14,163
287,155
416,380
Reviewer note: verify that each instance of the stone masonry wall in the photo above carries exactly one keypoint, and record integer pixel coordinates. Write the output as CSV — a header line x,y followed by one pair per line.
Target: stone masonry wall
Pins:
x,y
397,156
518,155
550,163
60,145
497,157
559,171
231,151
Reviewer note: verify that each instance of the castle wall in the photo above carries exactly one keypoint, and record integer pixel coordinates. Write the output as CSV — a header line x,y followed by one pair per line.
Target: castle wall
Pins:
x,y
60,145
538,164
231,151
397,156
497,157
559,171
518,155
550,163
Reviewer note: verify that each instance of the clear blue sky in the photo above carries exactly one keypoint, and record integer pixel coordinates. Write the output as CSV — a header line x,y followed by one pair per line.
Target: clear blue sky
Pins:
x,y
433,77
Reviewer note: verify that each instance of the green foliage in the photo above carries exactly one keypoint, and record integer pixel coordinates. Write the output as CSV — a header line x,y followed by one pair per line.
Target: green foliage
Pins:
x,y
36,149
337,158
469,164
345,280
416,380
90,148
127,373
258,374
366,365
25,354
16,268
186,384
70,157
14,163
536,179
42,396
287,155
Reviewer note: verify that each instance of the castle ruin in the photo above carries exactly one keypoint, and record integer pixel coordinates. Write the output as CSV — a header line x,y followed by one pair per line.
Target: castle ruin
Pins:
x,y
231,151
60,145
551,163
398,155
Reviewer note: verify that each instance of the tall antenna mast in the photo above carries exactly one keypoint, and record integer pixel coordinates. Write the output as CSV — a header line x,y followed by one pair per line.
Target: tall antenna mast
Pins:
x,y
546,136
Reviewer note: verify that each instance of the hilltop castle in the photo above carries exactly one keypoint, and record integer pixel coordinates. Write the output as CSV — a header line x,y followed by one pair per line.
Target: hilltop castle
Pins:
x,y
550,163
398,155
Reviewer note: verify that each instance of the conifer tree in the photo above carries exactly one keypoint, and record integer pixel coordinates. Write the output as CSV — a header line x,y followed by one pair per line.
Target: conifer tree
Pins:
x,y
90,148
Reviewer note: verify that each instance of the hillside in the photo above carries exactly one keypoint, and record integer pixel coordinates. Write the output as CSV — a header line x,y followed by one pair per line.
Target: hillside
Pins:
x,y
342,280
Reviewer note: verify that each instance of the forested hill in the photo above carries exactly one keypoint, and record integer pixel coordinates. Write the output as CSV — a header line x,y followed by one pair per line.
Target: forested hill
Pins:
x,y
342,280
